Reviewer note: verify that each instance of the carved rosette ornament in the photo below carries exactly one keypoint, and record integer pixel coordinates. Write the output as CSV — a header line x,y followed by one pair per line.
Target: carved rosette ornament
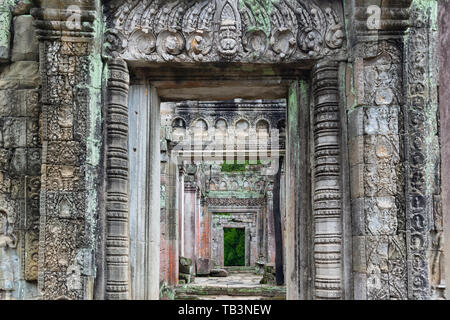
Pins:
x,y
223,30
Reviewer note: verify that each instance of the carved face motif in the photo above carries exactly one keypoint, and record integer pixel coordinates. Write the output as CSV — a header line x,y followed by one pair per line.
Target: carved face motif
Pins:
x,y
228,39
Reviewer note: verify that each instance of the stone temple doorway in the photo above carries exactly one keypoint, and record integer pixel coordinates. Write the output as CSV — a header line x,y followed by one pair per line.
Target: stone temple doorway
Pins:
x,y
95,221
226,154
152,237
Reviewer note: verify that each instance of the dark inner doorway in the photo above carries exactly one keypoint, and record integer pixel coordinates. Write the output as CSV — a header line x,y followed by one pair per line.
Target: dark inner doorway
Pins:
x,y
234,246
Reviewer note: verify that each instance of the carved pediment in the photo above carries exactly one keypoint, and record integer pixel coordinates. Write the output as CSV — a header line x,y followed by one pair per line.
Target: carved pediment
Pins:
x,y
267,31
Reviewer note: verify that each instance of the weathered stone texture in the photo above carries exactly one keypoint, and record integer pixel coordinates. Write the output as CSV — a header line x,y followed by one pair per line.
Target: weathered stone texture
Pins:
x,y
70,72
5,33
443,256
20,183
376,169
422,150
25,43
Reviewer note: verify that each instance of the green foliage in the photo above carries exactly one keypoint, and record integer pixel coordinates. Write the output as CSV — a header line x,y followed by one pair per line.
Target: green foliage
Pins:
x,y
222,214
234,247
235,167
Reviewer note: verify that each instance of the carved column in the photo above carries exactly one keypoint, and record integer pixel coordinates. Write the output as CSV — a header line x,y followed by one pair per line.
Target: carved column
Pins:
x,y
117,230
70,67
327,188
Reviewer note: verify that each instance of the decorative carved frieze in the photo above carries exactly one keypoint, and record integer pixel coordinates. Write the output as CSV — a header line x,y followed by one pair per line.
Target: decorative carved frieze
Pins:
x,y
236,202
422,149
230,30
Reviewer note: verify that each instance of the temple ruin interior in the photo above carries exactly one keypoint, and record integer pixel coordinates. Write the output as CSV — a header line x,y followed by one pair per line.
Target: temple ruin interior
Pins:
x,y
209,149
222,177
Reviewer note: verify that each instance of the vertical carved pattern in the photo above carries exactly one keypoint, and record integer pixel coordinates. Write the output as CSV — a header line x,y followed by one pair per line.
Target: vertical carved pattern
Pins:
x,y
327,205
422,147
117,231
62,225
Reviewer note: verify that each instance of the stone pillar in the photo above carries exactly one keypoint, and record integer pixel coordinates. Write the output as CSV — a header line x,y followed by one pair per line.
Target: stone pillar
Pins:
x,y
145,191
117,218
198,212
181,209
261,233
190,200
154,196
327,186
270,226
204,251
298,194
164,241
283,213
172,224
444,98
71,73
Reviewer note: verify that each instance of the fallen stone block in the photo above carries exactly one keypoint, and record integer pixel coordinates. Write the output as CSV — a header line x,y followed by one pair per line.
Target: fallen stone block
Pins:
x,y
203,267
186,277
269,274
218,273
186,265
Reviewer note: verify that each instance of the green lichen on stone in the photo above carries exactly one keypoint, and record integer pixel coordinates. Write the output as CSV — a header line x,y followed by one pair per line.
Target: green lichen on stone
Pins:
x,y
94,138
259,11
427,9
352,89
292,106
5,28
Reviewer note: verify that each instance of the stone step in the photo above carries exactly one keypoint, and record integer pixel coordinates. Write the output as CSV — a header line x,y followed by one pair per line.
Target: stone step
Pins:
x,y
240,269
210,292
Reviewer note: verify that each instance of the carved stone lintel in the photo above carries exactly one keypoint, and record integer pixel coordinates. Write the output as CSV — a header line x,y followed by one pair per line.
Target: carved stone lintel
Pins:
x,y
235,202
228,30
